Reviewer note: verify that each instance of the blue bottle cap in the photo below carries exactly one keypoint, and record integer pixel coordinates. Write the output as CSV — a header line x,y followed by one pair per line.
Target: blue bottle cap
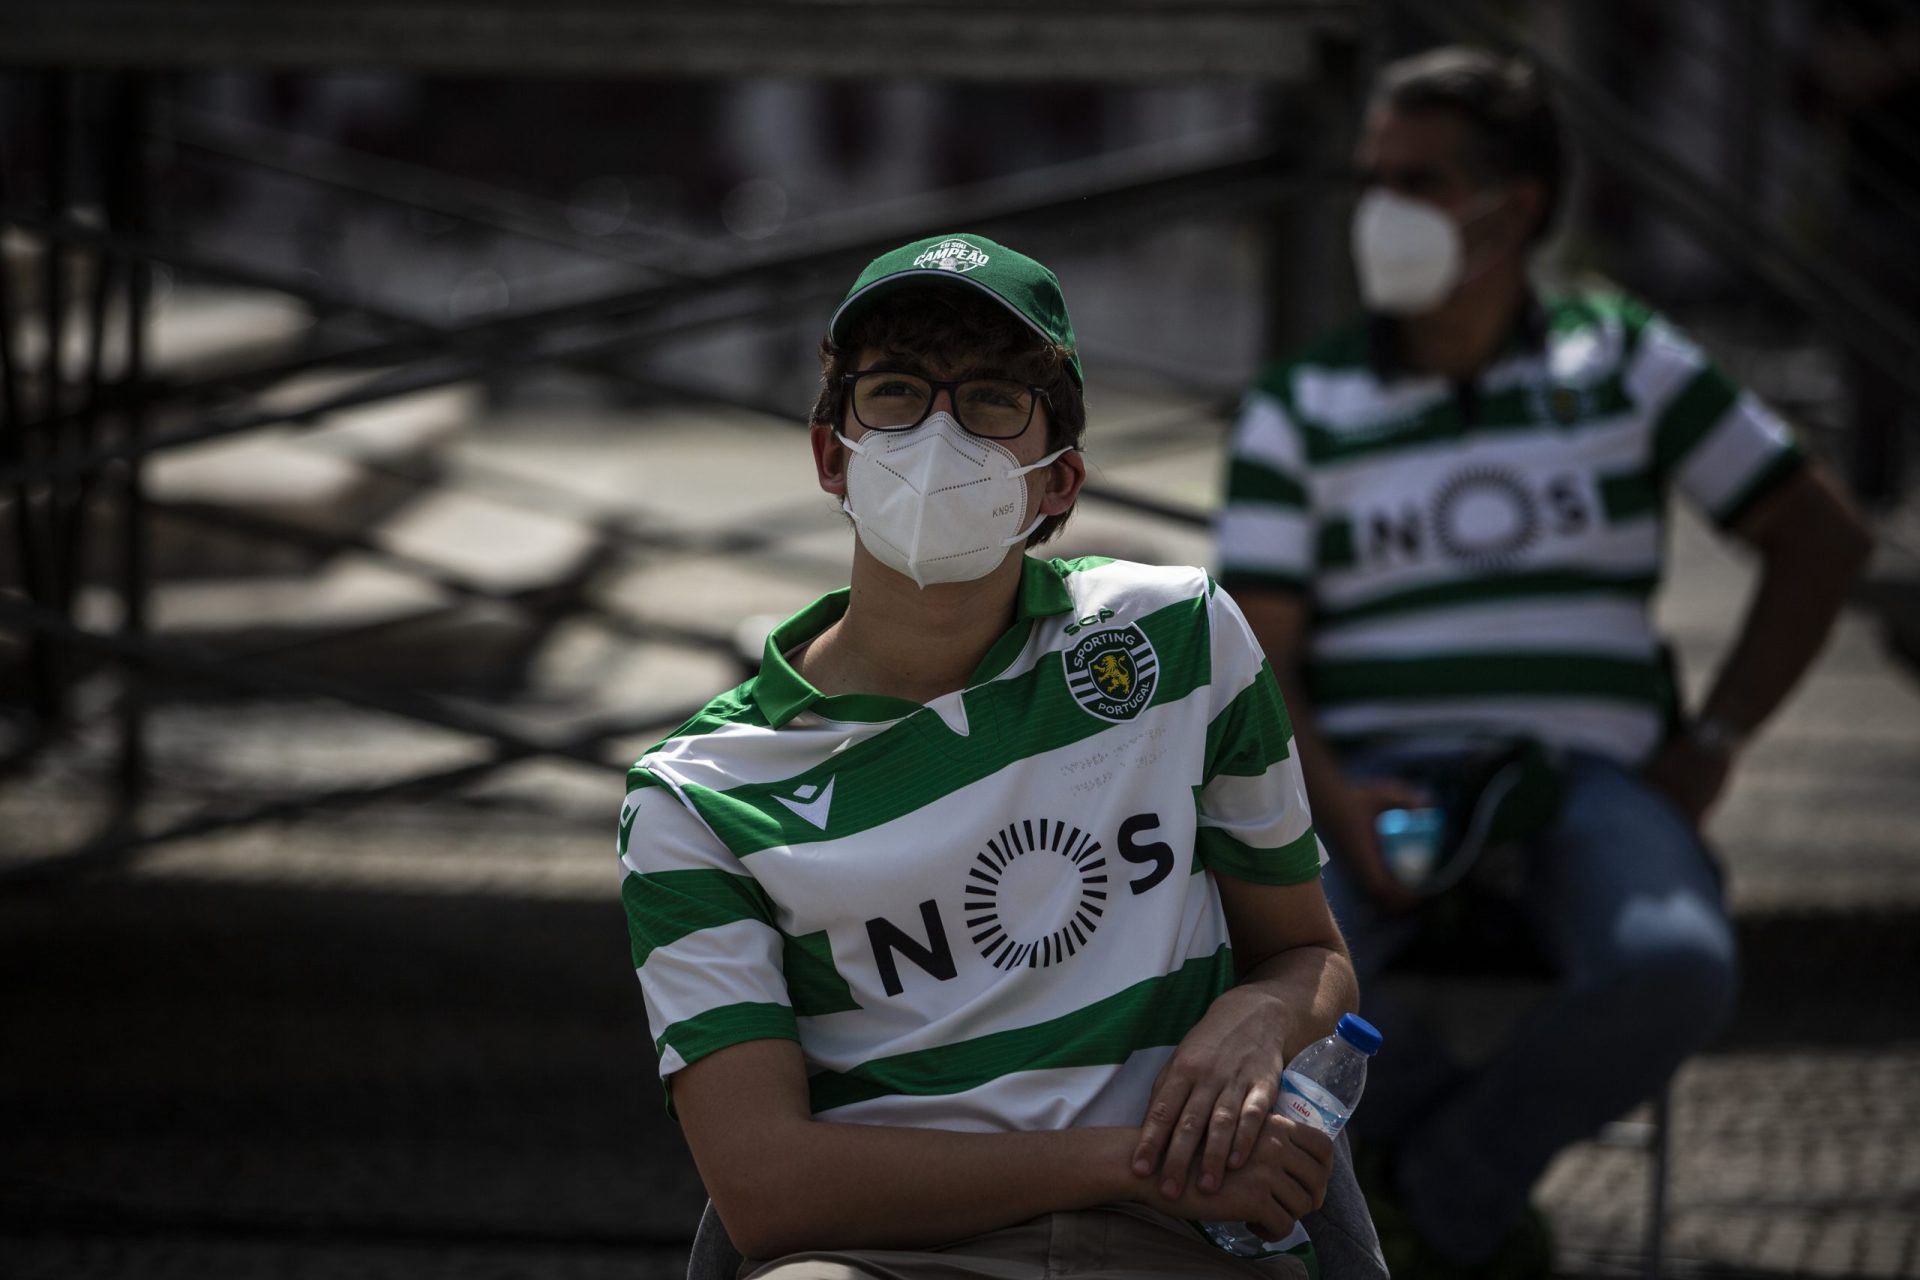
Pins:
x,y
1359,1033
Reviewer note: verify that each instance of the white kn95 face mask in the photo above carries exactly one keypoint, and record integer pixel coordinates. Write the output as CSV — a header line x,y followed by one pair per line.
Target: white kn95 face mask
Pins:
x,y
1407,253
936,503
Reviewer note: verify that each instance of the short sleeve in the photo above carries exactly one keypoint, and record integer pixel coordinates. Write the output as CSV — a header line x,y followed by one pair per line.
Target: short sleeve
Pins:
x,y
1720,447
1265,527
1254,823
702,931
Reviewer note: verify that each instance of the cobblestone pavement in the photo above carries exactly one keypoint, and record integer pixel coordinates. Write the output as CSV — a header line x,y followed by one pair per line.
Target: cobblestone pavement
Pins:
x,y
404,1040
1801,1163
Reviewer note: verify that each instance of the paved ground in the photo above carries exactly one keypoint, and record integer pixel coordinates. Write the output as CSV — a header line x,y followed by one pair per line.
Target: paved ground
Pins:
x,y
403,1039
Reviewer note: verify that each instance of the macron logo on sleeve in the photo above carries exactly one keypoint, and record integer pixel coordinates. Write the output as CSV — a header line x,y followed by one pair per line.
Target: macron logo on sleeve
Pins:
x,y
811,803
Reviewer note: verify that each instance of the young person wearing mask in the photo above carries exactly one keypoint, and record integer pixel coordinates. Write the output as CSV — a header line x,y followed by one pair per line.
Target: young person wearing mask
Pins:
x,y
975,930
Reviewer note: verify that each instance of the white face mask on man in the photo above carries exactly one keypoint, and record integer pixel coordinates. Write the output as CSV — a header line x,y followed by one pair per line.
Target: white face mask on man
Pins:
x,y
936,503
1408,254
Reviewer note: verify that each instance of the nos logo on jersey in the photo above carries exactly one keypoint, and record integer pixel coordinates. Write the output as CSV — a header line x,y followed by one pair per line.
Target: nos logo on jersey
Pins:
x,y
1033,898
1112,673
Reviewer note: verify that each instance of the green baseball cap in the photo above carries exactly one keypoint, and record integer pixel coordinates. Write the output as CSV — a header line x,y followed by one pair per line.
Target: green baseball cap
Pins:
x,y
1012,279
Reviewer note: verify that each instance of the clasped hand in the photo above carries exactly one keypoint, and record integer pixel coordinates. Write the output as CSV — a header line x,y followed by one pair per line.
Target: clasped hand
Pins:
x,y
1210,1136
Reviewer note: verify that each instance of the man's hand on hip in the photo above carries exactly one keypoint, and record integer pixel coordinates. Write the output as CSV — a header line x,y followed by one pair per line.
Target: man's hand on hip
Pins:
x,y
1345,815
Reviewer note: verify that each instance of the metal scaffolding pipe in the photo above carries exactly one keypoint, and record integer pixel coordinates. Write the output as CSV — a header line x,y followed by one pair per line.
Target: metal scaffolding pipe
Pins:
x,y
1152,181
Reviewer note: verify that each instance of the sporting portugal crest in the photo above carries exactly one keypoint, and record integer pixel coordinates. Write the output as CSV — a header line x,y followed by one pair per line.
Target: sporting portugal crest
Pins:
x,y
1112,673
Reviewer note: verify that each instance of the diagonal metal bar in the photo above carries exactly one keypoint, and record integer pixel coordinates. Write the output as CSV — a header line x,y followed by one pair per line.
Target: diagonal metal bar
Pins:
x,y
1147,504
446,371
514,489
455,584
117,845
409,186
152,393
129,243
193,660
1163,179
281,651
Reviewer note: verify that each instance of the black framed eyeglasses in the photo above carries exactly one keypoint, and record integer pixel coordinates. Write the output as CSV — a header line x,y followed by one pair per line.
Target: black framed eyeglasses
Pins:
x,y
993,408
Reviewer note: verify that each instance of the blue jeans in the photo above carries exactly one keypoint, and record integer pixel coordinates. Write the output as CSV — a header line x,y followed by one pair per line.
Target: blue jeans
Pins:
x,y
1623,898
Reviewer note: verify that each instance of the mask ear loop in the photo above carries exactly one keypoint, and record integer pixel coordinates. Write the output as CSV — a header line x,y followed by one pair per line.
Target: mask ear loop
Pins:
x,y
1047,461
846,505
1490,204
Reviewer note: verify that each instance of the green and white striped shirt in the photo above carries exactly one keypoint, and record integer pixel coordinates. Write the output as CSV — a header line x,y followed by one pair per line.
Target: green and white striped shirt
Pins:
x,y
992,912
1480,559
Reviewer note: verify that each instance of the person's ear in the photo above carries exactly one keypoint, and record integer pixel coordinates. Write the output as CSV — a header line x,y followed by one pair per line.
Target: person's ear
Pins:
x,y
1064,477
830,458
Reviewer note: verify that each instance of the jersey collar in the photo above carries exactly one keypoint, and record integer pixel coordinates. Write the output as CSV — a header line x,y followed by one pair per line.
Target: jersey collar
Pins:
x,y
1388,360
1043,590
782,693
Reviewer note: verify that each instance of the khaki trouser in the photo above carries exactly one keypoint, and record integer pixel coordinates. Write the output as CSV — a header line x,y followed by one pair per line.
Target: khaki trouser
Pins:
x,y
1121,1241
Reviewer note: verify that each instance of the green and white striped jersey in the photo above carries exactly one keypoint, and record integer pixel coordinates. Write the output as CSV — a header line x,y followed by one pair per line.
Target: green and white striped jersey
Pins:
x,y
992,912
1480,559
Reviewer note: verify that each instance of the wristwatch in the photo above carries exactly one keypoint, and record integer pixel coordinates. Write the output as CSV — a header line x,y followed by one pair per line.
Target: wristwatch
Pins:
x,y
1716,736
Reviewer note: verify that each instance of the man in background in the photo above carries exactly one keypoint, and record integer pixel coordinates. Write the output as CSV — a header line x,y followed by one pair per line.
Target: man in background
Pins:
x,y
1445,525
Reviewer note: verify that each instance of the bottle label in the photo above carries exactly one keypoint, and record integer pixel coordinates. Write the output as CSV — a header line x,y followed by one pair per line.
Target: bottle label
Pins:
x,y
1304,1101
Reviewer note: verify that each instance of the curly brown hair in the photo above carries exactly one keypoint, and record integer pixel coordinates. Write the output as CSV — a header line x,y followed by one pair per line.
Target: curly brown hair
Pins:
x,y
959,328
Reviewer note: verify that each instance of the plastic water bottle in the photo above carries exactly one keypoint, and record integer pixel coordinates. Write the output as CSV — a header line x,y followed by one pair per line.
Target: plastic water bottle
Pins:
x,y
1320,1087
